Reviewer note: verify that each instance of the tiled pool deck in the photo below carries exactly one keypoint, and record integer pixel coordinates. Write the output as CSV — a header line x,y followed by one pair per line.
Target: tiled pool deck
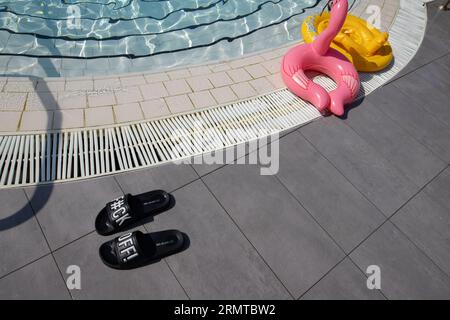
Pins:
x,y
371,189
56,103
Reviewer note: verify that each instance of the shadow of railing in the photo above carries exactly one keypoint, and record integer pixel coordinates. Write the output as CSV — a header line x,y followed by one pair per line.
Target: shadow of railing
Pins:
x,y
42,193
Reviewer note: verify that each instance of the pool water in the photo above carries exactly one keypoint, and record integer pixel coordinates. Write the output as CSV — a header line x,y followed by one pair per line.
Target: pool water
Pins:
x,y
100,37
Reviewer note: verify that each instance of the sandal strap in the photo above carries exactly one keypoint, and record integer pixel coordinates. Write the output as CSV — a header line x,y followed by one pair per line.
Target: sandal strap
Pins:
x,y
127,248
119,211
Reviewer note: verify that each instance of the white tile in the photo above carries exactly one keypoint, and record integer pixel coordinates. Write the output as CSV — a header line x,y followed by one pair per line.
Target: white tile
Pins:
x,y
72,100
220,79
180,103
42,101
262,85
83,85
12,101
239,63
239,75
132,81
177,87
108,83
276,80
36,120
257,71
128,95
9,120
67,119
50,86
128,112
20,86
99,116
223,95
101,99
154,91
220,67
155,108
199,71
156,77
202,99
199,83
179,74
244,90
273,66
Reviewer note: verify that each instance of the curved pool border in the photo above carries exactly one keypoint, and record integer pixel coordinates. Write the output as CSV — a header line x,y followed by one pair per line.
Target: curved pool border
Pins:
x,y
50,155
43,104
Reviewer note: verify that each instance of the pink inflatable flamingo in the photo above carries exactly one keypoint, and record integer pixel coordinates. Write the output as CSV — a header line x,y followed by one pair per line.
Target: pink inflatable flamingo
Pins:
x,y
318,56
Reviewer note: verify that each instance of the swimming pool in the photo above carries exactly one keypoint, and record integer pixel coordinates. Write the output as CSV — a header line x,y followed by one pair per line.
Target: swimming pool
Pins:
x,y
100,37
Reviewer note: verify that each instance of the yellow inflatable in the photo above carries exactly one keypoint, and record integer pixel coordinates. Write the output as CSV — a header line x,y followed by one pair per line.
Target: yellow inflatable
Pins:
x,y
364,45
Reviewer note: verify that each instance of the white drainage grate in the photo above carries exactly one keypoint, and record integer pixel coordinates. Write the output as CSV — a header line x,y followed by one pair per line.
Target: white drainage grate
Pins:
x,y
60,156
30,159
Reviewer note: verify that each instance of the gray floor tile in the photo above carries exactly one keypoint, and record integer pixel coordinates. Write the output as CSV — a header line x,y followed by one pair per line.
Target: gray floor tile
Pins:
x,y
427,224
344,282
101,282
444,62
39,280
406,272
436,75
209,162
439,189
438,17
368,171
67,211
422,86
220,263
420,124
403,151
21,239
286,236
204,169
326,194
167,177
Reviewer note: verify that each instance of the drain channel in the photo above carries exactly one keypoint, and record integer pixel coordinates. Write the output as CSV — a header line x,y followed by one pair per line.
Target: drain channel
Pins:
x,y
60,156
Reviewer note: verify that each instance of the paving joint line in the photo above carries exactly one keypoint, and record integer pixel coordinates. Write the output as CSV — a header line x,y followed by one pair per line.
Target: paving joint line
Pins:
x,y
24,265
408,131
388,159
388,218
170,269
342,174
248,240
48,245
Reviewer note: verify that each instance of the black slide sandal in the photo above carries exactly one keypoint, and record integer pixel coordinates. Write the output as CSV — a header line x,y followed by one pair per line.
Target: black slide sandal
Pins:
x,y
136,249
125,212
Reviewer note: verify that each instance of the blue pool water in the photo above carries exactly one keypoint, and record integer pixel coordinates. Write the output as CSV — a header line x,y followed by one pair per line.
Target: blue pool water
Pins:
x,y
99,37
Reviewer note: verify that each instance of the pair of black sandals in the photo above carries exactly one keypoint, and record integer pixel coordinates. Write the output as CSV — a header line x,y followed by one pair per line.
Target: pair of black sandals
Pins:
x,y
137,249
